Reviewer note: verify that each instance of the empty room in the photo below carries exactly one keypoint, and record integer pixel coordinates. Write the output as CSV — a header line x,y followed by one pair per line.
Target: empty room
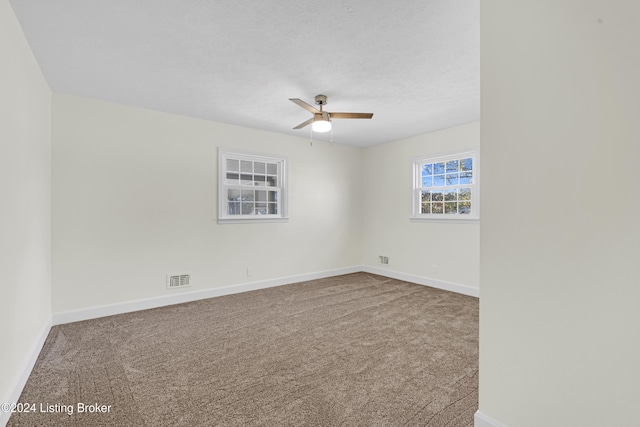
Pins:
x,y
345,213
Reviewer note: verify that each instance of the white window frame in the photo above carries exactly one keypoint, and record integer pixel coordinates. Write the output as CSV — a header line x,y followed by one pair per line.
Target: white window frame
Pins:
x,y
224,185
417,188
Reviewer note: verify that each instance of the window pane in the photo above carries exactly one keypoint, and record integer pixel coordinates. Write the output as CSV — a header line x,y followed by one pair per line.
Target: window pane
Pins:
x,y
272,168
438,168
246,179
259,180
259,167
451,195
234,208
272,181
261,208
273,208
232,178
452,166
438,180
426,181
466,164
466,177
426,208
426,196
261,195
233,195
436,196
273,196
427,169
232,165
436,208
465,207
452,179
247,195
451,207
464,194
246,166
247,208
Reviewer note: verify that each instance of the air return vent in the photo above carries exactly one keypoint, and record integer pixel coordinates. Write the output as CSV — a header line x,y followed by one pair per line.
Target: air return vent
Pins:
x,y
177,280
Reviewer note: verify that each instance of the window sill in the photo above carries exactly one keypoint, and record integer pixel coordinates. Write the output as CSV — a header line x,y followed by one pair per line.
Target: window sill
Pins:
x,y
446,220
250,220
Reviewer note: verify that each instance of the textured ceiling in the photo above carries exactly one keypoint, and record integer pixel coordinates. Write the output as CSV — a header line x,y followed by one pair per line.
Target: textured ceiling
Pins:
x,y
413,63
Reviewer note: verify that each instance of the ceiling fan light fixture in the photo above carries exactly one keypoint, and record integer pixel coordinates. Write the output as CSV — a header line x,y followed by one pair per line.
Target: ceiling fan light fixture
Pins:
x,y
321,125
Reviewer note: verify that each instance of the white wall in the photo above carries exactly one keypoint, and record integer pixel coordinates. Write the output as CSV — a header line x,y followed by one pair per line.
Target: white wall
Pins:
x,y
414,247
560,238
25,207
135,197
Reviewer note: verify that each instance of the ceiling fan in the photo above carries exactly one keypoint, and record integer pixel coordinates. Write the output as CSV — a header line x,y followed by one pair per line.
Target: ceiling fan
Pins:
x,y
321,120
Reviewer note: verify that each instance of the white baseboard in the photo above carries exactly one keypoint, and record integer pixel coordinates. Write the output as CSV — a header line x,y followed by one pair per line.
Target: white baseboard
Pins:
x,y
420,280
161,301
25,371
482,420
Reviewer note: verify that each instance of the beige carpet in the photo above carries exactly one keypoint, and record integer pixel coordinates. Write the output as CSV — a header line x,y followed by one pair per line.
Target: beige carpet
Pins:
x,y
352,350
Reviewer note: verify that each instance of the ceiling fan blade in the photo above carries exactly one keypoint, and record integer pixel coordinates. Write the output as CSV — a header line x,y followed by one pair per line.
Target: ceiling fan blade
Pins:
x,y
351,115
303,124
304,105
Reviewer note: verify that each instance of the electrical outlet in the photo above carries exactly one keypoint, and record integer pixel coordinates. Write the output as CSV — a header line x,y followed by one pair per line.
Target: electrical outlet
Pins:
x,y
384,259
434,269
249,272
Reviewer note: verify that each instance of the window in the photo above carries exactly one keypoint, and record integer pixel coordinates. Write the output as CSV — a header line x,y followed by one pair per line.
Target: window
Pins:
x,y
446,187
251,187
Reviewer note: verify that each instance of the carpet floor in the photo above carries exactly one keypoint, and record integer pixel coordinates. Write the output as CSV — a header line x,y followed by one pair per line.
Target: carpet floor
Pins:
x,y
351,350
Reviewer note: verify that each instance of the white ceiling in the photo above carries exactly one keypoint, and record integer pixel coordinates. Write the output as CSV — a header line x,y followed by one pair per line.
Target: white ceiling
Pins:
x,y
413,63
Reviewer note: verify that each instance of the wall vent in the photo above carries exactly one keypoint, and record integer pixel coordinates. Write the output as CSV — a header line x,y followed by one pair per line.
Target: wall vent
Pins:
x,y
177,280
